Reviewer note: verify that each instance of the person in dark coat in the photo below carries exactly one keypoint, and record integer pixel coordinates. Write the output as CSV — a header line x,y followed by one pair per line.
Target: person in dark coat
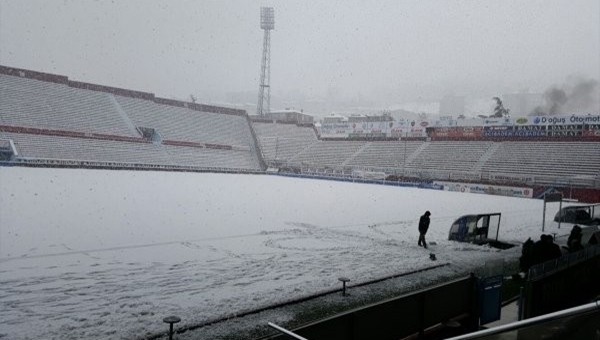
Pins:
x,y
554,251
574,241
423,226
526,260
545,250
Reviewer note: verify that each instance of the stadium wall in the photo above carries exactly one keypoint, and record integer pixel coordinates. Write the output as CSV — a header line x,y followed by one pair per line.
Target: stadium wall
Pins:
x,y
58,163
585,195
47,77
73,134
112,90
489,189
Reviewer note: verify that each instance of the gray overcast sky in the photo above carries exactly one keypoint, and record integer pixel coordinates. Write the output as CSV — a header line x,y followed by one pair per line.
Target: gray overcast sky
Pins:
x,y
379,49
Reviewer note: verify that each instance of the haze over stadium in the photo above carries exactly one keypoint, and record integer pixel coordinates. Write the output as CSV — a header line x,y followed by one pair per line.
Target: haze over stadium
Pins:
x,y
340,54
137,180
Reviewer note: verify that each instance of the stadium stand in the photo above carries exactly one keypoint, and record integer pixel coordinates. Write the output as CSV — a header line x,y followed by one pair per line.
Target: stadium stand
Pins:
x,y
179,123
97,150
210,158
327,153
85,149
450,156
549,159
296,146
291,131
39,104
280,142
46,119
52,120
385,155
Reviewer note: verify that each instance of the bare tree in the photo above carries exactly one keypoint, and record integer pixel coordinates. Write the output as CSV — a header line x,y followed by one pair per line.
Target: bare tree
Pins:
x,y
500,111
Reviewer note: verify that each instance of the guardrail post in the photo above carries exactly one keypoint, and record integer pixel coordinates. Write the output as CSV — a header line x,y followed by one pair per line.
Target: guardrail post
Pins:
x,y
344,280
520,304
171,320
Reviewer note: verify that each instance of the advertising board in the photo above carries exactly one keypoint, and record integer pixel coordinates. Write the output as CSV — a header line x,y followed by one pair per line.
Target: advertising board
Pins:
x,y
489,189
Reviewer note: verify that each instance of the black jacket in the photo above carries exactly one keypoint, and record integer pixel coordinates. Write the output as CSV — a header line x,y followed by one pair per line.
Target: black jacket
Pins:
x,y
423,224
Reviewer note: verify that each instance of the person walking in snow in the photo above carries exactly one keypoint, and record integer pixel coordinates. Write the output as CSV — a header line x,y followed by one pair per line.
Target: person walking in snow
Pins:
x,y
423,226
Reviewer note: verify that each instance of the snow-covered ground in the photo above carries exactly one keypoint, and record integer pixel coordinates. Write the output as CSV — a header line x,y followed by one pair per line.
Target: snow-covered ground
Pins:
x,y
94,254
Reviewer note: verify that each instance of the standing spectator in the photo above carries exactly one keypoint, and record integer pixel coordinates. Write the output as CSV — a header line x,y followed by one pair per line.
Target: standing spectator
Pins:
x,y
423,226
526,259
554,251
538,251
574,241
545,250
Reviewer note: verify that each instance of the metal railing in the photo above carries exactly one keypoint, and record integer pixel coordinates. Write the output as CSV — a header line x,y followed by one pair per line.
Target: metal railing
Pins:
x,y
549,267
593,307
285,331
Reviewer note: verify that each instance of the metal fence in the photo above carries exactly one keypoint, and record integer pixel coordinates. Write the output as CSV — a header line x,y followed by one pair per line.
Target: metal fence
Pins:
x,y
549,267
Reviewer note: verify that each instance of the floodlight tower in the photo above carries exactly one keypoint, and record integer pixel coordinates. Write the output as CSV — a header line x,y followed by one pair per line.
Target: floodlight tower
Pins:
x,y
267,23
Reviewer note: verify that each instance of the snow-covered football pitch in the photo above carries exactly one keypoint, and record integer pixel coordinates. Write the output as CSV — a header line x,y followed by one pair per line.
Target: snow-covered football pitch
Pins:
x,y
95,254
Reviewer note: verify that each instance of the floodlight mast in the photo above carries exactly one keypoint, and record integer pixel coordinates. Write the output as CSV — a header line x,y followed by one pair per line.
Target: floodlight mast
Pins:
x,y
267,23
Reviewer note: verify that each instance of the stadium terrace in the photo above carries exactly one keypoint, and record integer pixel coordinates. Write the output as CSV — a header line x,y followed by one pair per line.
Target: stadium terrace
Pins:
x,y
50,120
